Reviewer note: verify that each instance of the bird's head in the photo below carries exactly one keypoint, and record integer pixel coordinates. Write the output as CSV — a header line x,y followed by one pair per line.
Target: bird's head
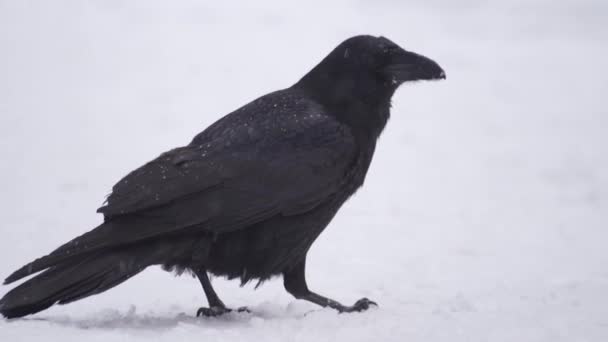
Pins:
x,y
364,72
381,61
374,62
364,64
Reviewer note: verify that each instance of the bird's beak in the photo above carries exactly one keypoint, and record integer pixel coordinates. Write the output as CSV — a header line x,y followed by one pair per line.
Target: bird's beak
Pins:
x,y
407,66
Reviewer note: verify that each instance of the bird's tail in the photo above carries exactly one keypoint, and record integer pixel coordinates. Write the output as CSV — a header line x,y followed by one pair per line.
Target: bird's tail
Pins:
x,y
74,279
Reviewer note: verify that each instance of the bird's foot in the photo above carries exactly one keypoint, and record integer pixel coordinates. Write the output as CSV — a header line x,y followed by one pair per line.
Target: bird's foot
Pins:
x,y
361,305
243,309
215,311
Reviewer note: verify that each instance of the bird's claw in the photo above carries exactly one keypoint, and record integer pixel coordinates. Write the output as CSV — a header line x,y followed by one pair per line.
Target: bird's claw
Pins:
x,y
361,305
215,311
243,309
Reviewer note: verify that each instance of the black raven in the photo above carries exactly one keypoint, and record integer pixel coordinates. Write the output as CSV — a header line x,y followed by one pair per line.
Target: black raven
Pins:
x,y
248,196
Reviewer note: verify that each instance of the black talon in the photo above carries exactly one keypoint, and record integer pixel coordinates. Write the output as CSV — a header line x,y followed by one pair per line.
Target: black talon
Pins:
x,y
363,304
213,311
359,306
218,311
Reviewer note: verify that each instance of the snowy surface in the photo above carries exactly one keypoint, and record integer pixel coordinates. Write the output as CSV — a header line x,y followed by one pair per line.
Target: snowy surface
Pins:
x,y
484,216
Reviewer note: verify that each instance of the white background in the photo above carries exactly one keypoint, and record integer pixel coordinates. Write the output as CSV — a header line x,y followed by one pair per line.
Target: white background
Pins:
x,y
484,216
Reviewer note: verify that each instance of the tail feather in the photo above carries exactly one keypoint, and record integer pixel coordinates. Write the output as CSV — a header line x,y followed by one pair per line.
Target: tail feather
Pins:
x,y
108,235
35,267
77,248
70,281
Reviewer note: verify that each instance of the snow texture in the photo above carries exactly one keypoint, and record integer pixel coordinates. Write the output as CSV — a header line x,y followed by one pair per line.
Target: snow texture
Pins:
x,y
484,216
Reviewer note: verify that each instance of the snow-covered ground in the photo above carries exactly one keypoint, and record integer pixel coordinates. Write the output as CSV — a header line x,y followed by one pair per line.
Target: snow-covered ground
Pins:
x,y
484,216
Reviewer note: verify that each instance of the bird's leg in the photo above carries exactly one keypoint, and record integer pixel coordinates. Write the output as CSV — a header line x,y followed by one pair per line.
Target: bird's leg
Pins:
x,y
295,283
216,306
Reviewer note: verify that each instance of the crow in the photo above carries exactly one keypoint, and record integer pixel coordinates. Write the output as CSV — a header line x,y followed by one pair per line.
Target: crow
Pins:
x,y
247,197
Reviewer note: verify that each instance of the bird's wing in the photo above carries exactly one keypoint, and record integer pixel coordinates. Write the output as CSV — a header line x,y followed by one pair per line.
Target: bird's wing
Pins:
x,y
248,167
239,173
201,188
